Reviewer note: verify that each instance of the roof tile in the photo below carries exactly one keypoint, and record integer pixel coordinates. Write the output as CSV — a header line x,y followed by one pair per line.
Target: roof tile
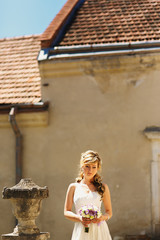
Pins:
x,y
19,73
111,21
52,30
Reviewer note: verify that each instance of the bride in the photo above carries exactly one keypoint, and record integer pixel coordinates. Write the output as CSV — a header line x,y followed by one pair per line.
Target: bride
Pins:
x,y
87,194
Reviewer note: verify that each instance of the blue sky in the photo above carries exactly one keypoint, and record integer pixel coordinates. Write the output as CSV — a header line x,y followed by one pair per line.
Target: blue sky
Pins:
x,y
27,17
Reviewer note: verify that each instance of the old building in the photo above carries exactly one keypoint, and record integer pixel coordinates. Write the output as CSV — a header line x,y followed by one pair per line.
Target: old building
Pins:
x,y
21,108
99,66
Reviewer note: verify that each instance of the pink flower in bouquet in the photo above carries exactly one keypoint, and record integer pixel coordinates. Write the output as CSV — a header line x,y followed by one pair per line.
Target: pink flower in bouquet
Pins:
x,y
90,212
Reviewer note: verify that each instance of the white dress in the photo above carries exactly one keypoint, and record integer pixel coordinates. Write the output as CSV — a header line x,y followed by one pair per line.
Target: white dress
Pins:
x,y
84,196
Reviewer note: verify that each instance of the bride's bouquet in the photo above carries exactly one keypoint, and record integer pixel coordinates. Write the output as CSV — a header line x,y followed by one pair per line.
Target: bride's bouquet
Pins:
x,y
90,212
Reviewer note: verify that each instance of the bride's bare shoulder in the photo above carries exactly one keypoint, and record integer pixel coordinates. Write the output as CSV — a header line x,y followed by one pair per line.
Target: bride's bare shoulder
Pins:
x,y
106,187
72,186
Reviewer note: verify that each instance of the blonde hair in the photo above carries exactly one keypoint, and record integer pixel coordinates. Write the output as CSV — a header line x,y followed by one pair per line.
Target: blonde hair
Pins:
x,y
91,156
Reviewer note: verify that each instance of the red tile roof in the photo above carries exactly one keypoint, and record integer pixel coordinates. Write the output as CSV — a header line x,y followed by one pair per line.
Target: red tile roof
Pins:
x,y
19,74
52,30
109,21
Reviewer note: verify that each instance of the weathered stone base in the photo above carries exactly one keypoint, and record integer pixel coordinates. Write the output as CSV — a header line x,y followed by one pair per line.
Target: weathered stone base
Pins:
x,y
13,236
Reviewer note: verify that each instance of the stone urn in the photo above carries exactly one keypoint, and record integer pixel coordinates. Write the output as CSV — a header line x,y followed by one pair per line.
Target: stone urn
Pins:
x,y
26,198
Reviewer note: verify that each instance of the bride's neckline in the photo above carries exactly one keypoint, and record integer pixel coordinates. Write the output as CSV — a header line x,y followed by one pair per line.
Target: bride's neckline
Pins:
x,y
85,185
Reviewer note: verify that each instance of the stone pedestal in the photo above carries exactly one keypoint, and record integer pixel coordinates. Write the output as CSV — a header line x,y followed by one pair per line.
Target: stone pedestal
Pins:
x,y
26,198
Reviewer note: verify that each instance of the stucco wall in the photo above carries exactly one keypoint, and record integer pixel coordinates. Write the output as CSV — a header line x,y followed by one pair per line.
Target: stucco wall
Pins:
x,y
7,177
104,105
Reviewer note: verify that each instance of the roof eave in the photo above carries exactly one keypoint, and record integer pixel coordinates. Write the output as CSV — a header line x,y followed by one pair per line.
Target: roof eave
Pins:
x,y
25,108
81,51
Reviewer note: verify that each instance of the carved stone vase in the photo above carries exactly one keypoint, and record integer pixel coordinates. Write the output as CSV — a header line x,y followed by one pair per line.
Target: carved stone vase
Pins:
x,y
26,198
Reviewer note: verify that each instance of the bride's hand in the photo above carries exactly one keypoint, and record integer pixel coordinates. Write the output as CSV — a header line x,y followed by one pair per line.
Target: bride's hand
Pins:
x,y
98,220
86,221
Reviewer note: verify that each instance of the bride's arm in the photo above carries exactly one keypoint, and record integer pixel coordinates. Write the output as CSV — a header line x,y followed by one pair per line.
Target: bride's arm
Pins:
x,y
107,204
68,204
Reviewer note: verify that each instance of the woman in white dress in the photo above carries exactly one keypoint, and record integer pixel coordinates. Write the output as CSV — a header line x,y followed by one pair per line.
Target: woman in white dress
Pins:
x,y
87,192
